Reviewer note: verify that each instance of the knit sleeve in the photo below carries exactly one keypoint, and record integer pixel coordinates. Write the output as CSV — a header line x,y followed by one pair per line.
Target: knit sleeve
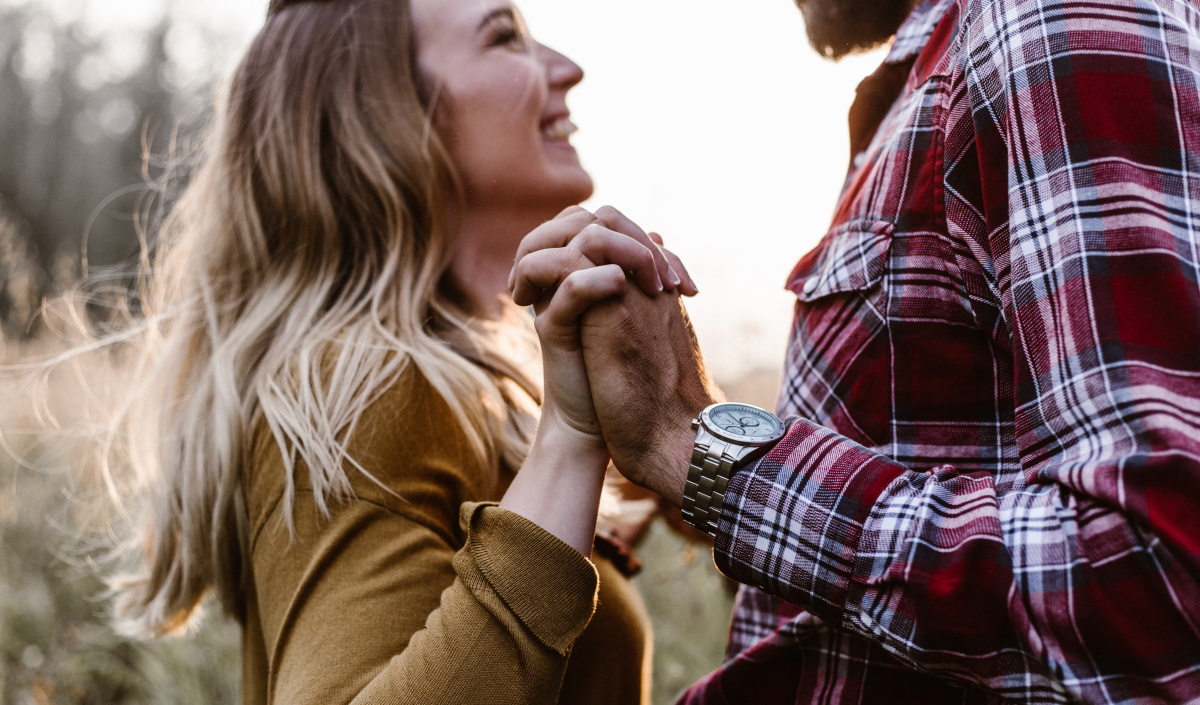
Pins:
x,y
387,600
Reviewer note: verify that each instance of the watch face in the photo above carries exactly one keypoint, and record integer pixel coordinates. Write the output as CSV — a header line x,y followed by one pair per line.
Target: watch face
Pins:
x,y
742,423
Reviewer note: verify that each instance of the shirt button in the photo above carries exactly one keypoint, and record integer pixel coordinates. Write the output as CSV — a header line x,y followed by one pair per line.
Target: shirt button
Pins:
x,y
810,286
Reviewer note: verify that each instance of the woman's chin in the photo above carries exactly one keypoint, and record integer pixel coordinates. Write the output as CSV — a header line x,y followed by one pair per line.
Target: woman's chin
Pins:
x,y
542,200
567,192
583,194
579,187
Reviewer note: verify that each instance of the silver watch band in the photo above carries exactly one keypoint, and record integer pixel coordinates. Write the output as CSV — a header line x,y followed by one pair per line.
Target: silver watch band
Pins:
x,y
704,492
727,433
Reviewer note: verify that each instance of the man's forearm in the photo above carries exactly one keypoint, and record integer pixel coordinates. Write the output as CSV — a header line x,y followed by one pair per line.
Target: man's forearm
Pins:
x,y
667,469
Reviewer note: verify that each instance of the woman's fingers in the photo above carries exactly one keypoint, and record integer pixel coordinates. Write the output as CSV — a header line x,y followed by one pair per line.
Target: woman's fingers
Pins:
x,y
688,286
545,269
595,245
603,246
557,232
606,237
618,221
559,319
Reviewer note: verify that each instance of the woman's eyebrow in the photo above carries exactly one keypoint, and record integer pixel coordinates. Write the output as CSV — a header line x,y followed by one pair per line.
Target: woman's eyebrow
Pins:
x,y
498,12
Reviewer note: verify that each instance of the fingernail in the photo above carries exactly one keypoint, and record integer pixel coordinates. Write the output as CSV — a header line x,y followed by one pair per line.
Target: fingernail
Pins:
x,y
658,279
675,280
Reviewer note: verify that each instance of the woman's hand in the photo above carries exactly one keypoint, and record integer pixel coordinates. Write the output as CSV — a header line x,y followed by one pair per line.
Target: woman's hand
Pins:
x,y
566,265
587,233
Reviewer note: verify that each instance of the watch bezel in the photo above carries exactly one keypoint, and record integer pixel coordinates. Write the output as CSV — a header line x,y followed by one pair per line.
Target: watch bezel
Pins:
x,y
753,441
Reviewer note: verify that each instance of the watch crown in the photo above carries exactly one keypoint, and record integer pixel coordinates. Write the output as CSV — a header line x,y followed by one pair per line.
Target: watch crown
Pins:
x,y
695,424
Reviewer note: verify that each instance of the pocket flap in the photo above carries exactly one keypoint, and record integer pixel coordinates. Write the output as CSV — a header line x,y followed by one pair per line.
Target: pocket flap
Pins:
x,y
852,256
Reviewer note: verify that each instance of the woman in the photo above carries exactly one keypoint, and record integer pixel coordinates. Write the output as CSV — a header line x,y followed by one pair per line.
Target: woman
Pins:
x,y
332,378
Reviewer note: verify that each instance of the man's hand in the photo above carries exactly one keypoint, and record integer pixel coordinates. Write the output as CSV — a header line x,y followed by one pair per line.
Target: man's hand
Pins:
x,y
648,382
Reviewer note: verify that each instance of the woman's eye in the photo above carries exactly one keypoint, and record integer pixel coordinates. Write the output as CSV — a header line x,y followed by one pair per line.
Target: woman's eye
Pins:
x,y
510,37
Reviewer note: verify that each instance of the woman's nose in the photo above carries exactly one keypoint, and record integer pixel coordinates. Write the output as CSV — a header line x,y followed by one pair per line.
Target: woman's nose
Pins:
x,y
562,72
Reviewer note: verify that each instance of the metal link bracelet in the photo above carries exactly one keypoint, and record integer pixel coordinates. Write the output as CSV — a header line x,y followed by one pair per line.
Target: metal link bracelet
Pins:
x,y
704,492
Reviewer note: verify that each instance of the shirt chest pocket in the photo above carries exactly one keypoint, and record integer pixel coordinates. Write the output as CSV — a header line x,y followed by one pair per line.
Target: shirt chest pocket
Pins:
x,y
851,257
839,365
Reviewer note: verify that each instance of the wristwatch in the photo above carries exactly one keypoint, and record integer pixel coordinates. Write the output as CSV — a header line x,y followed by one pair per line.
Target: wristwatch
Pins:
x,y
728,435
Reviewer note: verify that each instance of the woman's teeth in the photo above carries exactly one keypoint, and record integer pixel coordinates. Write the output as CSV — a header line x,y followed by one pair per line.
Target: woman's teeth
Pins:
x,y
560,130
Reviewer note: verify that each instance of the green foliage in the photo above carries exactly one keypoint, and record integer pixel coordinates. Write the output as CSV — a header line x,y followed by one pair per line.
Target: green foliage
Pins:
x,y
55,642
91,119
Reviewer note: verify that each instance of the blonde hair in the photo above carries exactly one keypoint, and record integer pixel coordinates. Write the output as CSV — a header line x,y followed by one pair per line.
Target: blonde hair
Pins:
x,y
298,275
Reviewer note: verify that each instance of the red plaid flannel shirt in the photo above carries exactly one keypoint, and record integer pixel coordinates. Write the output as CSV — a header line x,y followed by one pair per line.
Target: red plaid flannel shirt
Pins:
x,y
994,493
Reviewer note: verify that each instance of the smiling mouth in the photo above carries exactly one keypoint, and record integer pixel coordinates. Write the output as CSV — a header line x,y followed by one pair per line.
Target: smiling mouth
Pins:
x,y
559,130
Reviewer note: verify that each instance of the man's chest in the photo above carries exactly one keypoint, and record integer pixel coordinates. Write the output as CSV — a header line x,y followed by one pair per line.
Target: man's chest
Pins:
x,y
898,342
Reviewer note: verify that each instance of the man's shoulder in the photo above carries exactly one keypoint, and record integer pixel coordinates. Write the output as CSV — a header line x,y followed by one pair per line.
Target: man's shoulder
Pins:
x,y
1019,12
1018,32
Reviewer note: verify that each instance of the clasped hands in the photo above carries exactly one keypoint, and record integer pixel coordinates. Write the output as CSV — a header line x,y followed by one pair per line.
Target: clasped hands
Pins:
x,y
623,371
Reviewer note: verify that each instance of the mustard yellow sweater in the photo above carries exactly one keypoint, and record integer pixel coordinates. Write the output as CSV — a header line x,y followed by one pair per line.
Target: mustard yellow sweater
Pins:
x,y
426,597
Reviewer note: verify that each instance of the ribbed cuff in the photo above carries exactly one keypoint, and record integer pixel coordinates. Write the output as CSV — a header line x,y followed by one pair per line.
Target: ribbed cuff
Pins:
x,y
548,585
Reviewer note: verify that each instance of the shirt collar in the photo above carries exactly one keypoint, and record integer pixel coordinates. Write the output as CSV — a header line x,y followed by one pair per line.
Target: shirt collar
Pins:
x,y
916,30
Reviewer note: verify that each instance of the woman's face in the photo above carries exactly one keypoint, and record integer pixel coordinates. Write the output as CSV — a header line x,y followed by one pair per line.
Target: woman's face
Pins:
x,y
502,106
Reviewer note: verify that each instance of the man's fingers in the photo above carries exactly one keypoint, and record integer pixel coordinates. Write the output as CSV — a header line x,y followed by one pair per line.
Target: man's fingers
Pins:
x,y
618,221
551,234
576,294
603,246
545,269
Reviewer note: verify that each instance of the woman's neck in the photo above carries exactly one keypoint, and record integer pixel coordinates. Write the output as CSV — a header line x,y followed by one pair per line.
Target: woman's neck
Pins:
x,y
487,243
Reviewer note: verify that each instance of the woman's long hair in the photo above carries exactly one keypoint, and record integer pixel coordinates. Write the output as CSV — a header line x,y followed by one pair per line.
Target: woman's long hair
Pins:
x,y
299,273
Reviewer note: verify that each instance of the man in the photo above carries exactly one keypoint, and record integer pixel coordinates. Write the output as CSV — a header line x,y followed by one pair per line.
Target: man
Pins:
x,y
991,491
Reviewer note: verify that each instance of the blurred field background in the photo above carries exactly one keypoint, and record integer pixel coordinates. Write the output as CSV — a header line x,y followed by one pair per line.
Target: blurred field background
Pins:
x,y
80,106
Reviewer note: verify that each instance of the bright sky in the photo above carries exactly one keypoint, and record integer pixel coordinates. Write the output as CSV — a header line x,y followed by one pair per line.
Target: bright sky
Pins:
x,y
711,122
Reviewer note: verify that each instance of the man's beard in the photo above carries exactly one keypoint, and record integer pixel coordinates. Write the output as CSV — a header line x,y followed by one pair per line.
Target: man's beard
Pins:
x,y
840,27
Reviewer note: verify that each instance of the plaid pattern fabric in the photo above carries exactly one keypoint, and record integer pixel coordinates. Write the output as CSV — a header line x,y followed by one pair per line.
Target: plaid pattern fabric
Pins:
x,y
994,495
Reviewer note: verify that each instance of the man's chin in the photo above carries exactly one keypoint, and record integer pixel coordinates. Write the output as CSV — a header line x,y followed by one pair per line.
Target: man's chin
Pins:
x,y
840,27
